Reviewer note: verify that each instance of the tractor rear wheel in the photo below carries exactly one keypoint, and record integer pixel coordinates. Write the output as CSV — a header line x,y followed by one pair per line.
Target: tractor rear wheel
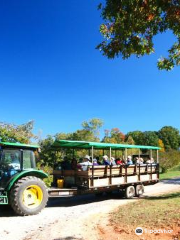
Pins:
x,y
28,196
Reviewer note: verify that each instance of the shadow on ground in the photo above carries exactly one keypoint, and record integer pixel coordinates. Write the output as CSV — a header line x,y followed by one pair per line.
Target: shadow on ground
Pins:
x,y
165,196
6,211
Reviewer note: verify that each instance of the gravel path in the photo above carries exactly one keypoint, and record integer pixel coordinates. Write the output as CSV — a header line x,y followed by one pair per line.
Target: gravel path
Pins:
x,y
69,218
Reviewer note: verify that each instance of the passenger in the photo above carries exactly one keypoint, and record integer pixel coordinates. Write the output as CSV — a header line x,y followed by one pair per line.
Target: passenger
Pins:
x,y
141,160
66,165
105,160
85,163
112,161
95,163
150,161
98,161
119,161
129,160
73,164
137,161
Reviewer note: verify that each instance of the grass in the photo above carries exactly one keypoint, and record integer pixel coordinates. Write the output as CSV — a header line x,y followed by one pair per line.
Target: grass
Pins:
x,y
156,212
169,175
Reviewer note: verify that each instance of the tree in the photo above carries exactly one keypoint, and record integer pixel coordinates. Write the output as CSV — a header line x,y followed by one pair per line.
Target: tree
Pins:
x,y
129,27
137,137
170,137
93,126
114,136
150,138
47,155
89,132
130,140
169,159
161,145
17,133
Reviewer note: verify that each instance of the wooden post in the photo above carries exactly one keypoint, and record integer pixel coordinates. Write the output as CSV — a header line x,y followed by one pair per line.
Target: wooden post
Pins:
x,y
92,177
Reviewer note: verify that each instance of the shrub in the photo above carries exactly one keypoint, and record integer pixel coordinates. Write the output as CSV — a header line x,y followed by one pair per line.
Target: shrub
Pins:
x,y
169,159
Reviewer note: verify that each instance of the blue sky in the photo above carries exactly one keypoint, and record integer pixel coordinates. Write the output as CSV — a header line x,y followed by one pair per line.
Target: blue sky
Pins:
x,y
51,72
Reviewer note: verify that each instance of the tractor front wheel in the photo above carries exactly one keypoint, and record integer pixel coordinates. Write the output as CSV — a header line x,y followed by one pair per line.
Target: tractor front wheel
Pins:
x,y
28,196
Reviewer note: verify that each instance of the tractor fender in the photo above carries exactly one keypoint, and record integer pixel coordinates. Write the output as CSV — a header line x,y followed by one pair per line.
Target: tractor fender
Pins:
x,y
32,172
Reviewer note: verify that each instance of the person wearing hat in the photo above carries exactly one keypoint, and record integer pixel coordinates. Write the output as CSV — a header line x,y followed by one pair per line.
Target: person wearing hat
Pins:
x,y
85,163
105,160
112,161
129,160
95,163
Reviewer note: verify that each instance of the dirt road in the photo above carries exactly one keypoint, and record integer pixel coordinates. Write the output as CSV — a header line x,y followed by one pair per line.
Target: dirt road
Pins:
x,y
69,218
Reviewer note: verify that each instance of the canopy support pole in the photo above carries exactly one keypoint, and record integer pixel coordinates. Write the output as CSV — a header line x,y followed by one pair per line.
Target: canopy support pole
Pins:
x,y
125,155
110,154
150,153
139,153
157,156
92,153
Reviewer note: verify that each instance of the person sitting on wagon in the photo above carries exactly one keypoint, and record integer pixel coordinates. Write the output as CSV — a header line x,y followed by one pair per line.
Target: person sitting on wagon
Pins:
x,y
85,163
119,161
112,161
105,160
73,164
95,163
129,160
98,161
150,161
139,160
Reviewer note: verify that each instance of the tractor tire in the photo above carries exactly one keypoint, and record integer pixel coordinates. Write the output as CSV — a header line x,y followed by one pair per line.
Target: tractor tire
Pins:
x,y
139,190
28,196
130,192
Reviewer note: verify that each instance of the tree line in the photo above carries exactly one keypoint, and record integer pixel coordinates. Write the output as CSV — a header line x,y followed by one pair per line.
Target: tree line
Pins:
x,y
167,138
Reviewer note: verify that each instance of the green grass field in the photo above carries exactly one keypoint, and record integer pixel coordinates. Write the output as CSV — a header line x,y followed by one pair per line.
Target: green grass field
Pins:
x,y
156,212
172,173
169,175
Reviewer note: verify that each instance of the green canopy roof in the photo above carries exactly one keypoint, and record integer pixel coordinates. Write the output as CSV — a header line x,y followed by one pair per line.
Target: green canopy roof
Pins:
x,y
96,145
18,145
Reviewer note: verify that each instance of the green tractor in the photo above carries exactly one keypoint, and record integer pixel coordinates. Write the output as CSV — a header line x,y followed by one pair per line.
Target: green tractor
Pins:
x,y
21,185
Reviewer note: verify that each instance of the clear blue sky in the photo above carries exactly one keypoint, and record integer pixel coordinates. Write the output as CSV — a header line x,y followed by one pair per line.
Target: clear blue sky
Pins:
x,y
51,72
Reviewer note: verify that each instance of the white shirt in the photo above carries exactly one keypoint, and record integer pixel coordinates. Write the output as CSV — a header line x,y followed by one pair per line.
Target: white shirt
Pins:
x,y
85,165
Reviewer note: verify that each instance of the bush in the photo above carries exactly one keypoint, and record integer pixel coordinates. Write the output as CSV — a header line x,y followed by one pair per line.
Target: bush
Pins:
x,y
47,170
169,160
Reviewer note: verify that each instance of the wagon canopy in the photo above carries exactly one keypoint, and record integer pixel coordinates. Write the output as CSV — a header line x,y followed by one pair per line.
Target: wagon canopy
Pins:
x,y
96,145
